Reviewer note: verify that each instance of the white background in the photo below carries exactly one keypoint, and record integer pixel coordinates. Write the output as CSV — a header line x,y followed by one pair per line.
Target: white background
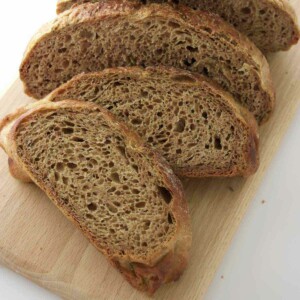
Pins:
x,y
263,260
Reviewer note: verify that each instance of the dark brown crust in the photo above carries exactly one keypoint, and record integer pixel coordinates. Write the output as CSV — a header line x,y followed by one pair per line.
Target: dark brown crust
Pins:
x,y
171,263
251,151
282,7
94,11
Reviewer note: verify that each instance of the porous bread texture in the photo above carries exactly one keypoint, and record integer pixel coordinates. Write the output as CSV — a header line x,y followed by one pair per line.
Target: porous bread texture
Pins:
x,y
123,196
199,129
92,37
270,24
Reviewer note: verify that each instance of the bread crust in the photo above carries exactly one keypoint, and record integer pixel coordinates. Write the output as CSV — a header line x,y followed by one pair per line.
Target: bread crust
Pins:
x,y
90,12
162,266
282,7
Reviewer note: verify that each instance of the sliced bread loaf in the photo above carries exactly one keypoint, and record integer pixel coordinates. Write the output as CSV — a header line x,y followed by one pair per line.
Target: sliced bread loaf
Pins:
x,y
194,124
123,196
93,36
270,24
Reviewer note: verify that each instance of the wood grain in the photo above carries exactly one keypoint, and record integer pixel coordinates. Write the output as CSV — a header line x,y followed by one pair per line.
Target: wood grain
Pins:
x,y
38,242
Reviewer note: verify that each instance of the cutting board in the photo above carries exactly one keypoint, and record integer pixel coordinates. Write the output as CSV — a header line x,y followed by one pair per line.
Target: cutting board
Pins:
x,y
38,242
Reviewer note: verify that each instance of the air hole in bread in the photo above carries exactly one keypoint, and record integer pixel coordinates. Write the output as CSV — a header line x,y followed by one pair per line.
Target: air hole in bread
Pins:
x,y
68,130
65,63
158,51
192,127
112,208
189,61
77,139
192,49
93,162
86,34
246,10
71,165
62,50
59,166
85,187
65,180
173,24
144,93
135,167
205,71
135,191
170,218
150,139
180,125
115,177
218,144
65,201
136,121
147,224
165,194
116,204
140,204
111,190
122,151
207,29
89,216
68,38
92,206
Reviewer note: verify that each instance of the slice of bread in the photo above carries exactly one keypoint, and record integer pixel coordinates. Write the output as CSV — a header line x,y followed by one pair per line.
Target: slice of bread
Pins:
x,y
270,24
123,196
195,125
92,37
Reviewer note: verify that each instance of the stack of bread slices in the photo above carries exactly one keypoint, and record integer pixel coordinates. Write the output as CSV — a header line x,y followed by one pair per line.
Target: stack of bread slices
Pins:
x,y
134,94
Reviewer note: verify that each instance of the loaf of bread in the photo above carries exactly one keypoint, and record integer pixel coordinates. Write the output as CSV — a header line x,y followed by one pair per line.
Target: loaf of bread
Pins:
x,y
93,36
270,24
195,125
123,196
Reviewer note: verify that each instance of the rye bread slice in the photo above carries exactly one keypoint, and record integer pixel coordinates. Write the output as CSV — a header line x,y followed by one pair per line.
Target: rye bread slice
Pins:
x,y
123,196
199,129
93,36
271,24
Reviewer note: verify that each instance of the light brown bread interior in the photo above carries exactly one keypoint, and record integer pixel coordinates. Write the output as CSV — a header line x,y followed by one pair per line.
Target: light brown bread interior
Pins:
x,y
123,196
92,37
195,125
270,24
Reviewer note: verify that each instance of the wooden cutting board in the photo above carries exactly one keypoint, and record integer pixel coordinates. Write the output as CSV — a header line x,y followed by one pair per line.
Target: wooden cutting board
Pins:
x,y
37,241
